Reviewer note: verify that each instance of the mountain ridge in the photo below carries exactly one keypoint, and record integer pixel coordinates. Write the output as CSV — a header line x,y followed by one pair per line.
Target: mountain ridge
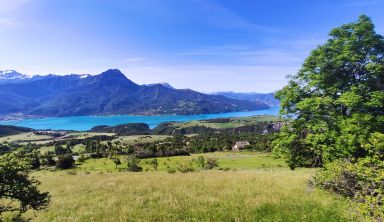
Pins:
x,y
109,93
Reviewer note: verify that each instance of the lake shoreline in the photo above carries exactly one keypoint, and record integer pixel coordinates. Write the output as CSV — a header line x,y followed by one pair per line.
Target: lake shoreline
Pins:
x,y
84,123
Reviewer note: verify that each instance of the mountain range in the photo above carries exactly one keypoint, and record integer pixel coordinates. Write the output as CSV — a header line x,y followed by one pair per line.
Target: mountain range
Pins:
x,y
109,93
267,98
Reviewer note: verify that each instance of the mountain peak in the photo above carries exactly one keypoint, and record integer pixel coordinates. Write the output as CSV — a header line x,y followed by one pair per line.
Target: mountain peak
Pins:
x,y
11,74
113,72
115,76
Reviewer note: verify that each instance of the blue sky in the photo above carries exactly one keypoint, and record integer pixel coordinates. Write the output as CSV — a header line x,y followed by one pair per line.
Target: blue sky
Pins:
x,y
206,45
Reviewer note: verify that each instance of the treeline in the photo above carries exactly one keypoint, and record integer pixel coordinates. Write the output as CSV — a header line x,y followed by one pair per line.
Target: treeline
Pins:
x,y
172,128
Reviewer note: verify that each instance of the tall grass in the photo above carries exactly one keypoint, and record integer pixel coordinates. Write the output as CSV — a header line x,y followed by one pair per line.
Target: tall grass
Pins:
x,y
250,195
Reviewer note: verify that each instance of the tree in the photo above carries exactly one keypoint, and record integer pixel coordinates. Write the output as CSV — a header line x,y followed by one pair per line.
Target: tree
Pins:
x,y
201,162
47,159
59,149
17,187
211,163
65,162
116,160
133,164
336,98
337,104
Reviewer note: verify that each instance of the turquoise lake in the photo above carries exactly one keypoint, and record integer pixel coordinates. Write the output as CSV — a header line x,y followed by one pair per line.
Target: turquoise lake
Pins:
x,y
87,122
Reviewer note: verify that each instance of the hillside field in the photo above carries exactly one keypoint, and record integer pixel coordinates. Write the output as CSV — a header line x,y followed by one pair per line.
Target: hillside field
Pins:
x,y
253,187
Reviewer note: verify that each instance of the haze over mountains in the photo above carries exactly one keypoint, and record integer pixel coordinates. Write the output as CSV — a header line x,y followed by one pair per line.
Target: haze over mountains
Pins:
x,y
109,93
267,98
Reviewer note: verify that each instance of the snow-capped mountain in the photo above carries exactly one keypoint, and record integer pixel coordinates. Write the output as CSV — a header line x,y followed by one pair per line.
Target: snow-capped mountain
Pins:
x,y
109,93
12,74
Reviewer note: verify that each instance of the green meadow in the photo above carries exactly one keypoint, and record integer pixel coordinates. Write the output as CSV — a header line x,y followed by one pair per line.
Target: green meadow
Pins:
x,y
246,186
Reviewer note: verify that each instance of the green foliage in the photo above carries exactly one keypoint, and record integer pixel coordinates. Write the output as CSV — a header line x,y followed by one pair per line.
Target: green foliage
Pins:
x,y
81,158
47,159
362,181
206,163
211,163
16,187
337,100
155,164
116,161
133,164
124,129
337,97
201,162
184,168
65,162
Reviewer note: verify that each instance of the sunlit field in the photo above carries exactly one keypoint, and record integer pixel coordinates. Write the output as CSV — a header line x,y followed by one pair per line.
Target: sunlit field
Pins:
x,y
250,187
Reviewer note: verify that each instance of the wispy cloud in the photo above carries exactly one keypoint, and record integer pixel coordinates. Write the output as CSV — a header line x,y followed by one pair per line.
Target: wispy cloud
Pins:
x,y
288,52
11,5
222,17
214,78
134,59
9,12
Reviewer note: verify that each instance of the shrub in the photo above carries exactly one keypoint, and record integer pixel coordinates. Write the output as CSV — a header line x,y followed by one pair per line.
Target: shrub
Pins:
x,y
81,158
201,162
116,161
133,164
65,162
154,163
171,171
362,181
185,169
211,163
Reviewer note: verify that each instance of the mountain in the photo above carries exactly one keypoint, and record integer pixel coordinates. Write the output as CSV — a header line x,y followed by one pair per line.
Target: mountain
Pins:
x,y
109,93
167,85
267,98
12,130
11,76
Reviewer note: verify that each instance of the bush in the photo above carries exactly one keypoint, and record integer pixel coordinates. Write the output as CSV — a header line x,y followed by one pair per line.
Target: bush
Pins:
x,y
185,169
48,160
211,163
65,162
201,162
133,164
171,171
362,181
81,158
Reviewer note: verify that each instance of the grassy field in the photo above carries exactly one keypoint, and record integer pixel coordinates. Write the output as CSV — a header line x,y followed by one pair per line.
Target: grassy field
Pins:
x,y
130,140
249,195
226,161
255,188
25,137
84,135
234,122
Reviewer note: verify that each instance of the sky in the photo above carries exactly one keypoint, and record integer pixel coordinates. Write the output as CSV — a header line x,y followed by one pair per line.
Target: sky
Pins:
x,y
205,45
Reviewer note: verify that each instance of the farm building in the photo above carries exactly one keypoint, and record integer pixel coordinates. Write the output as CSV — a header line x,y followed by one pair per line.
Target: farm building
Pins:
x,y
239,145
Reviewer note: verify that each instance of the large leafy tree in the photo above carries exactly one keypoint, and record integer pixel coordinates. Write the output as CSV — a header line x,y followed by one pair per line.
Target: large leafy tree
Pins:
x,y
336,98
18,191
337,104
